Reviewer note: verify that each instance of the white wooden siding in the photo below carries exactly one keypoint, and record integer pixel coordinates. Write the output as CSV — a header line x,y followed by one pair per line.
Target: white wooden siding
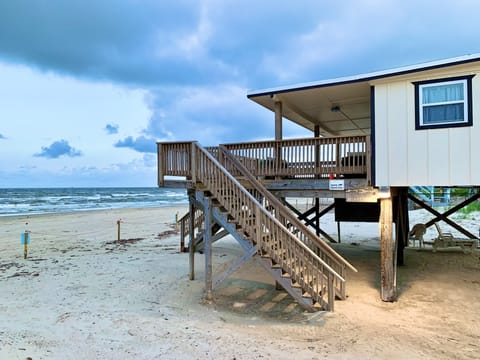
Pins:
x,y
405,156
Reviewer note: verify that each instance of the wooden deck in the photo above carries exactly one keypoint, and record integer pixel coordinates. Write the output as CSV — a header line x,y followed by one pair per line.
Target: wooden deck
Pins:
x,y
227,184
295,164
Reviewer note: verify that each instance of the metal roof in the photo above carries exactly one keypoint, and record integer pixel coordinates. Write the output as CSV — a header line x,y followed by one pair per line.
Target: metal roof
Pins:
x,y
341,106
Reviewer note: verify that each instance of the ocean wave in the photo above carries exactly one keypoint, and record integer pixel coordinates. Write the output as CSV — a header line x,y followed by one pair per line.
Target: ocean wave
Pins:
x,y
38,201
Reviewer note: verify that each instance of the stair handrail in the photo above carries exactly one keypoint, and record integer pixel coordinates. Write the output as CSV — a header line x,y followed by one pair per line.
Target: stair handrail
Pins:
x,y
258,186
259,209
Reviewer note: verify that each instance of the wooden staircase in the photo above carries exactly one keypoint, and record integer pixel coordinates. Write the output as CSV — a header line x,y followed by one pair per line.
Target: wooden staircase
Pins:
x,y
304,265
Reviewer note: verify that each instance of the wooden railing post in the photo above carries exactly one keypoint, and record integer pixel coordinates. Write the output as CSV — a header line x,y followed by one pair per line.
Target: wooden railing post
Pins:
x,y
191,233
193,162
207,240
160,165
368,158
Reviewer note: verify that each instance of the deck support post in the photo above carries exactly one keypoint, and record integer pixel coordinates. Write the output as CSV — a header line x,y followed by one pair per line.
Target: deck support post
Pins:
x,y
278,120
402,223
160,166
388,291
317,216
207,239
191,233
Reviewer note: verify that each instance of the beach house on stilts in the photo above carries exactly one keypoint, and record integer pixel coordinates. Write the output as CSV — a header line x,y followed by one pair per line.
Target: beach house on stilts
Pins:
x,y
373,136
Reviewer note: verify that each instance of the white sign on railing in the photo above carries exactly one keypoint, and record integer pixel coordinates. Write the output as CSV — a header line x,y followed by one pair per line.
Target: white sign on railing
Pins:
x,y
336,184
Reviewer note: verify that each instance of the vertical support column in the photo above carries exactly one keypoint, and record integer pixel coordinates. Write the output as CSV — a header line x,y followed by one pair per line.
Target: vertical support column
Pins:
x,y
316,134
207,239
368,158
160,166
278,133
193,163
338,232
191,234
402,222
388,291
278,120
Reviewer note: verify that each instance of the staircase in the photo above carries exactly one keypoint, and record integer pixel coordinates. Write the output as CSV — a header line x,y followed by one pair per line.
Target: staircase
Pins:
x,y
304,265
431,195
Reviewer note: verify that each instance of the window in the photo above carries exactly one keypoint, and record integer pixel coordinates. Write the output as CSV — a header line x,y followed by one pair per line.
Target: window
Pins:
x,y
443,103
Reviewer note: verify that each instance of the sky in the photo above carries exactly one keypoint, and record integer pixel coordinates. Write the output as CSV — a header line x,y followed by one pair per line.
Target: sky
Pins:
x,y
88,87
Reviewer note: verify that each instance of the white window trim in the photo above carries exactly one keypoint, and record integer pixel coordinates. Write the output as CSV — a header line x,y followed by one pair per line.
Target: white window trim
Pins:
x,y
467,101
464,102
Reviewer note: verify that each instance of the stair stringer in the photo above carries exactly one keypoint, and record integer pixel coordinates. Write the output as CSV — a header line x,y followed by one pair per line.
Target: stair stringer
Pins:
x,y
282,278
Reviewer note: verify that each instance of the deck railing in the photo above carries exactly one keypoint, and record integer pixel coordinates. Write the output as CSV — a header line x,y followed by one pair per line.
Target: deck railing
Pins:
x,y
184,221
312,273
174,159
286,248
347,156
290,221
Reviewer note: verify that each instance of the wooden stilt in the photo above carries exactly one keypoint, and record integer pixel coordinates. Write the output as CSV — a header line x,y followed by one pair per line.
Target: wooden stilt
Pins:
x,y
387,263
338,232
402,226
191,246
317,216
207,239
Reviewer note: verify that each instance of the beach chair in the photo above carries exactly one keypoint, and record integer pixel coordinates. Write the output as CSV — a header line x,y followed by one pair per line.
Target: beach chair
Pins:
x,y
416,234
446,240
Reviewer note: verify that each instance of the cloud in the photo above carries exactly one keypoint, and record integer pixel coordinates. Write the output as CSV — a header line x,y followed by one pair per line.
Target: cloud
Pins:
x,y
219,41
2,137
111,129
210,114
57,149
141,144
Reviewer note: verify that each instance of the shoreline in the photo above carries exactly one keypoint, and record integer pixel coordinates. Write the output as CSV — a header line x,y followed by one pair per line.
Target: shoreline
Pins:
x,y
80,211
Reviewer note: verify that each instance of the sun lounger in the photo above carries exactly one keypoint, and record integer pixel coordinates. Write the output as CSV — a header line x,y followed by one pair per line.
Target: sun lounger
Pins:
x,y
446,240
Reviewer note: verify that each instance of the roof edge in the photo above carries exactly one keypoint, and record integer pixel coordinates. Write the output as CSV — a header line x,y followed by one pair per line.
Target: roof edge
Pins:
x,y
368,76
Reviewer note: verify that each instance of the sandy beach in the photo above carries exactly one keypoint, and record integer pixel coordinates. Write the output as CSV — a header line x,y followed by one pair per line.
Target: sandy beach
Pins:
x,y
81,294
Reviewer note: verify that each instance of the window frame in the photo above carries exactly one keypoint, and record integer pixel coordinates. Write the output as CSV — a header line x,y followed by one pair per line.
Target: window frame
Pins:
x,y
467,101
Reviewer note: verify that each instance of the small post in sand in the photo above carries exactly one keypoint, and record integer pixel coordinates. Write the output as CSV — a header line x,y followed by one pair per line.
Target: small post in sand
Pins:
x,y
25,240
118,229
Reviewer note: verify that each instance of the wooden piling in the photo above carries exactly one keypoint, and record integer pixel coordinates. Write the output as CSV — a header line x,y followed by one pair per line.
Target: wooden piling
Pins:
x,y
388,291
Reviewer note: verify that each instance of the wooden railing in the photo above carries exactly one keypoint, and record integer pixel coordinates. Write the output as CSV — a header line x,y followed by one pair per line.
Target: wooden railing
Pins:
x,y
184,221
347,156
290,221
312,273
271,236
174,159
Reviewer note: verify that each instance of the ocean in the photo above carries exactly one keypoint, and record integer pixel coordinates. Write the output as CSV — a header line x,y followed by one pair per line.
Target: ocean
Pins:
x,y
65,200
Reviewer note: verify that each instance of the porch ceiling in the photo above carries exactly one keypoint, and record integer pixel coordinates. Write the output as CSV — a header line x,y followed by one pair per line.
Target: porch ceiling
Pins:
x,y
339,110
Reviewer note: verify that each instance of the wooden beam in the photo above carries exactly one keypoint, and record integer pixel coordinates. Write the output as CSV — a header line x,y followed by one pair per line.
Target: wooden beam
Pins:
x,y
402,226
191,231
443,216
315,222
388,291
234,266
207,239
278,120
